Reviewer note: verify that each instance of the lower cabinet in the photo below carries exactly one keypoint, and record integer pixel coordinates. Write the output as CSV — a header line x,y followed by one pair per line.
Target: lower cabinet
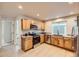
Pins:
x,y
68,43
57,40
60,41
42,40
46,38
64,42
54,40
26,43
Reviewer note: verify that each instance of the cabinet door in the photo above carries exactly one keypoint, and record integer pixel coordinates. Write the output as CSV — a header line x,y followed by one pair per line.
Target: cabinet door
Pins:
x,y
41,38
30,44
60,41
46,38
42,26
39,25
25,24
28,24
68,43
54,40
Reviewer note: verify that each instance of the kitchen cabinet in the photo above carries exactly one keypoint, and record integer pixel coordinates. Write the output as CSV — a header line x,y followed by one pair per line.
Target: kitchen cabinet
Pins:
x,y
26,43
60,41
42,25
39,24
54,40
42,40
46,37
68,43
35,22
64,42
25,24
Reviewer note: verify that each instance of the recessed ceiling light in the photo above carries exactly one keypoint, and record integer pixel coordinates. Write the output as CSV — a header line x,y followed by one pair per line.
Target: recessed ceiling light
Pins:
x,y
37,14
20,7
71,13
70,2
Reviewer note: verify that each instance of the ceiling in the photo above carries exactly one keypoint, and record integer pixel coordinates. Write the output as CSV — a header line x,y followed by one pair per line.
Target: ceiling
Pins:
x,y
46,10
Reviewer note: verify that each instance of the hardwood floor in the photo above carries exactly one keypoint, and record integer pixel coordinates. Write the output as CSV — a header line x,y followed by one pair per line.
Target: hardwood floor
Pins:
x,y
43,50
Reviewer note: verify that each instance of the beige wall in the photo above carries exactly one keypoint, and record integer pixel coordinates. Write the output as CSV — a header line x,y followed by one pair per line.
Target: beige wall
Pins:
x,y
69,24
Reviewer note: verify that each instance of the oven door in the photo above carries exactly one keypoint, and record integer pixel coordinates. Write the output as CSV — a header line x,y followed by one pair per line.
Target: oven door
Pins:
x,y
36,40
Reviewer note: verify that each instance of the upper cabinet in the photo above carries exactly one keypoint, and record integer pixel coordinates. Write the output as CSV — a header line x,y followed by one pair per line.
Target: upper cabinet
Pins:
x,y
39,24
42,25
27,23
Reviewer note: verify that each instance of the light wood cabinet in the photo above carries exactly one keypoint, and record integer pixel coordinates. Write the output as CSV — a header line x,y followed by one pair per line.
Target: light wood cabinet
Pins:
x,y
39,24
25,24
60,41
42,25
54,40
64,42
46,38
42,38
68,43
26,43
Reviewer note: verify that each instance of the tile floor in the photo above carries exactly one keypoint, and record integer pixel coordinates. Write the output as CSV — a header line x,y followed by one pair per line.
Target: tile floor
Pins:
x,y
43,50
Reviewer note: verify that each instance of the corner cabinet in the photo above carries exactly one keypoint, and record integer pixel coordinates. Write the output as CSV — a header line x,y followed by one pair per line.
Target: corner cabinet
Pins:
x,y
25,24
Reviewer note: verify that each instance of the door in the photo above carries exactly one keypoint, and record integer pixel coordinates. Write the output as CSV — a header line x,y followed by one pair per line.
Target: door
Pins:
x,y
7,31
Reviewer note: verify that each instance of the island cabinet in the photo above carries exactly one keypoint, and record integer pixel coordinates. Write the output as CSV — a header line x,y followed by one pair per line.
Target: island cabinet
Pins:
x,y
25,24
26,43
42,38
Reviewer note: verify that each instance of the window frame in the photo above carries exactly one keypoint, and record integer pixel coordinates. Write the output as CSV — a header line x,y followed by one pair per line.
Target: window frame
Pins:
x,y
60,23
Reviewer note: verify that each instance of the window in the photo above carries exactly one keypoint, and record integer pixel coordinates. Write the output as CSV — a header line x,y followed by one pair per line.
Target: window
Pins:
x,y
75,29
59,28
